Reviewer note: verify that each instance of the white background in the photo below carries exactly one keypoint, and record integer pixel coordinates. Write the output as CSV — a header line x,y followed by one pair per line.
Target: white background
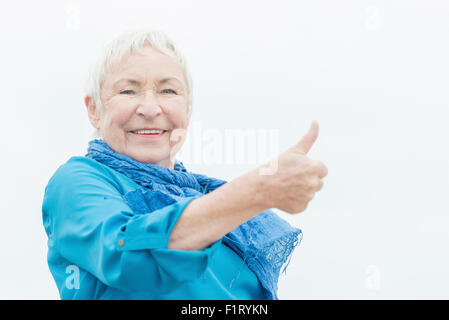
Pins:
x,y
375,74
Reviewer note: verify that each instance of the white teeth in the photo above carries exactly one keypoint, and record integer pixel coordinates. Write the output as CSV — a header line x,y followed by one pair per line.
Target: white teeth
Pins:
x,y
148,131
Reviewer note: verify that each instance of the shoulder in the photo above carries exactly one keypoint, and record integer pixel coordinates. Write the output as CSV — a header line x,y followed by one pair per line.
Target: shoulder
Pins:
x,y
80,164
77,166
82,171
81,182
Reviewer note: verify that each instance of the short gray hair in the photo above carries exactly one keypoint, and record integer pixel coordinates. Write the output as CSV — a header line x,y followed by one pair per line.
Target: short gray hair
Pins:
x,y
134,40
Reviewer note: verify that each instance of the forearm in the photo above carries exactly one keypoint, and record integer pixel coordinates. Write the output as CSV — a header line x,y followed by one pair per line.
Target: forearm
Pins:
x,y
210,217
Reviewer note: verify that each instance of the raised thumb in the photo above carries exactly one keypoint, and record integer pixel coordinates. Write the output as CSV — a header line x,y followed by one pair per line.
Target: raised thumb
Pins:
x,y
310,137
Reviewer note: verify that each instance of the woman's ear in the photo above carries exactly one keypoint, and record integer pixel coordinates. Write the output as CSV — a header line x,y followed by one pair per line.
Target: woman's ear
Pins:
x,y
92,111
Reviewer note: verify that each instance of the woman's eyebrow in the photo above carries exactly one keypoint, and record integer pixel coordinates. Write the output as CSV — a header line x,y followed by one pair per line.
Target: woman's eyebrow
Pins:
x,y
166,79
130,81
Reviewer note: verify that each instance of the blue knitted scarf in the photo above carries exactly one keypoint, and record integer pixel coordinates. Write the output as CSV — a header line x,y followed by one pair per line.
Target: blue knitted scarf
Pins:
x,y
265,242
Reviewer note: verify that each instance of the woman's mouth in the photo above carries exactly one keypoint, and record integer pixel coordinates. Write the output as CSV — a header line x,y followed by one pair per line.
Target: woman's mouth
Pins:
x,y
149,134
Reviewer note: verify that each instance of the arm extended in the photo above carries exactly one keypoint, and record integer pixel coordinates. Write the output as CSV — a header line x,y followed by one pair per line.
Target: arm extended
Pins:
x,y
210,217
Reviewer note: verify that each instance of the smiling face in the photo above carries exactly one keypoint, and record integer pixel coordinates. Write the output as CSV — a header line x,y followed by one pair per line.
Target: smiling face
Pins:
x,y
145,90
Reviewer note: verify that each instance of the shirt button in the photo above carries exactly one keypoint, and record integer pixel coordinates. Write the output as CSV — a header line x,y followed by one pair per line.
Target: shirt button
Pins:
x,y
121,243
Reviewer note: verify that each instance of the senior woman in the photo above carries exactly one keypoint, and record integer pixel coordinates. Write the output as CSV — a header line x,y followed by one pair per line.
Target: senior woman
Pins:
x,y
129,221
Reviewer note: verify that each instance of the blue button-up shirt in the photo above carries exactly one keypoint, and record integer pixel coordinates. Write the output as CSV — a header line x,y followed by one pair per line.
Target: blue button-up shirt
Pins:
x,y
98,248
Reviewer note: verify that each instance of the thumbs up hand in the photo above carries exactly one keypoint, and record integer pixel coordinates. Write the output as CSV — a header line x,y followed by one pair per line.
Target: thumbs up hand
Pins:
x,y
297,178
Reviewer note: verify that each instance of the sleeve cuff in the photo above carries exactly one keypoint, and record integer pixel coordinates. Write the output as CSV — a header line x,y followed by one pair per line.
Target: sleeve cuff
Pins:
x,y
151,230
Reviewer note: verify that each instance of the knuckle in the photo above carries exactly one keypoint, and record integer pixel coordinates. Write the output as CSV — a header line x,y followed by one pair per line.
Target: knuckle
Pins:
x,y
321,168
316,183
310,196
310,184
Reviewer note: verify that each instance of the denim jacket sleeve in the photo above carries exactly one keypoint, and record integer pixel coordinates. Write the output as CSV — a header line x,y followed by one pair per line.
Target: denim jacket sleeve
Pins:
x,y
94,228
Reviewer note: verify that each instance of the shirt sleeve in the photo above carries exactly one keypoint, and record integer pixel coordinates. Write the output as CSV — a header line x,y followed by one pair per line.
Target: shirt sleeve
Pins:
x,y
94,228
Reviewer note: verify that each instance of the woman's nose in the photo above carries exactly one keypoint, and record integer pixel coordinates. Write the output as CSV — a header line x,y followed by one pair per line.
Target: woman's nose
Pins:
x,y
149,106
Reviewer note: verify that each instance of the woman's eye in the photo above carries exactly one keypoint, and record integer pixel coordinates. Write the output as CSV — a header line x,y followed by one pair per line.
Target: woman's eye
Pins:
x,y
127,92
171,91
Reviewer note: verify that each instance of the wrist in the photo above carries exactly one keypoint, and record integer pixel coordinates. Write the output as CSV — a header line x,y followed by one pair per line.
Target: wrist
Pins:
x,y
258,189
